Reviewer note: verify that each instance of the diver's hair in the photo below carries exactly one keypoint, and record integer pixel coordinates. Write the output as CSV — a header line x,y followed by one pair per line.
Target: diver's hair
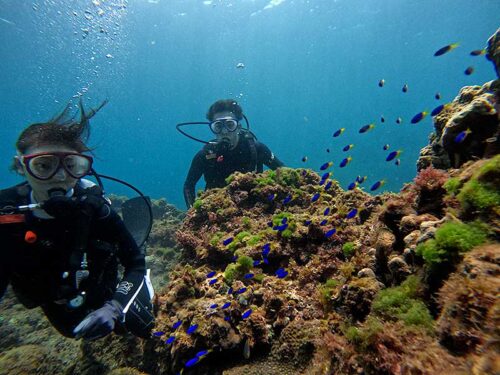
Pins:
x,y
62,130
229,105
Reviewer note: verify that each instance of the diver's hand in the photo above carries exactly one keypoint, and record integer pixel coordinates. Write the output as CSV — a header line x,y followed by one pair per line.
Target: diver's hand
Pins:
x,y
60,206
99,323
93,203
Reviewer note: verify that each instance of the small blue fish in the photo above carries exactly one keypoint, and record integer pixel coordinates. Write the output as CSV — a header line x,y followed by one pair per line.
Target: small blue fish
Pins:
x,y
315,197
214,306
307,222
381,83
287,199
327,150
280,228
437,96
345,161
436,111
256,262
192,328
352,213
212,282
230,290
304,159
361,179
338,132
203,353
170,340
265,260
328,185
227,241
241,290
227,318
284,220
249,275
266,249
382,119
386,147
405,88
322,182
330,233
419,117
325,176
326,211
348,147
469,71
377,184
397,162
271,197
478,52
281,273
158,334
323,222
445,49
399,120
365,128
352,185
326,166
234,258
246,314
462,135
393,155
210,274
177,324
192,362
226,305
304,172
269,223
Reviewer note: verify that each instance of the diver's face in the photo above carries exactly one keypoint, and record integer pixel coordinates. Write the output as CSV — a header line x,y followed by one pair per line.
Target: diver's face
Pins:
x,y
225,135
60,180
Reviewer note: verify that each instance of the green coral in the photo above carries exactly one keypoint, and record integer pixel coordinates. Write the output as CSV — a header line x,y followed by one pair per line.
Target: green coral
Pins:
x,y
401,303
229,179
230,273
266,178
451,241
242,236
288,177
481,191
348,249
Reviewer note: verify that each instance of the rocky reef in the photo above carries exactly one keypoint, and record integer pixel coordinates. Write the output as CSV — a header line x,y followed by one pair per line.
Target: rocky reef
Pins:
x,y
476,110
285,272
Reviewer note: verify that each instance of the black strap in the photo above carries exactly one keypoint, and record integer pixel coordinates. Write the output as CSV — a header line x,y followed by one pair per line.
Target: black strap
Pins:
x,y
259,167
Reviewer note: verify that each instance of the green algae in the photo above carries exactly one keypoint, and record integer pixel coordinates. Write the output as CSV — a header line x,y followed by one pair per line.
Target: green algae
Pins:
x,y
453,185
326,291
348,249
401,303
481,191
364,336
451,241
236,270
198,204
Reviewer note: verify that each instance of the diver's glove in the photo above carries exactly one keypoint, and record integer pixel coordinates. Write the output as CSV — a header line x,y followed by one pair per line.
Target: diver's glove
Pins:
x,y
60,206
99,323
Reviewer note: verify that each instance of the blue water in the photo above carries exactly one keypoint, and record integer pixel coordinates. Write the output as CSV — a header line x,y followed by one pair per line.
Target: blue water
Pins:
x,y
311,67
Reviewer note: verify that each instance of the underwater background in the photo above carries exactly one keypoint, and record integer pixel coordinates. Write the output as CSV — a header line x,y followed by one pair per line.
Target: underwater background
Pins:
x,y
310,68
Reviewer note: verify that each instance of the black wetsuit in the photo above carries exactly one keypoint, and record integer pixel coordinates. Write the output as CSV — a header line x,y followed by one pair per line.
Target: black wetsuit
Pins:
x,y
249,155
35,270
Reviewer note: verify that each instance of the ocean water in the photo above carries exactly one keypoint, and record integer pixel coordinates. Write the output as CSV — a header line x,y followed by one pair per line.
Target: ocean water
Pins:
x,y
310,68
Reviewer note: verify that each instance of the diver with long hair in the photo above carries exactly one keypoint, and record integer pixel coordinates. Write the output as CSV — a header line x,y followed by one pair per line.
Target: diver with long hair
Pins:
x,y
234,149
62,242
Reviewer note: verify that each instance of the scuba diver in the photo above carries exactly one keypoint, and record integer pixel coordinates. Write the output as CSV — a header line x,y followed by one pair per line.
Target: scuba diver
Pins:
x,y
234,149
62,242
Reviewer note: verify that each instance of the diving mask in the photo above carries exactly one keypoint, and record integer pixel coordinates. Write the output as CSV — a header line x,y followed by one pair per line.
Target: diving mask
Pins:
x,y
44,166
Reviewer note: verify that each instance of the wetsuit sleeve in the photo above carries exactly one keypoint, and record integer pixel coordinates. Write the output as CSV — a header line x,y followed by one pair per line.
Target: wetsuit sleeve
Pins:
x,y
195,172
267,157
129,255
